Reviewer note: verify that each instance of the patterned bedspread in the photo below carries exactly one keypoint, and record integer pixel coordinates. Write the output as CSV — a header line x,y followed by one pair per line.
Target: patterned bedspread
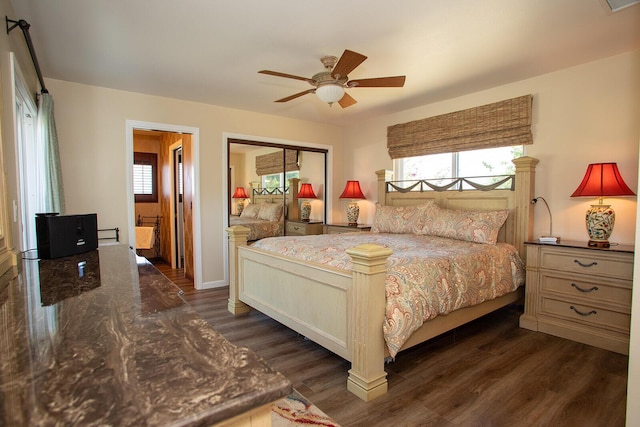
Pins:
x,y
426,275
258,228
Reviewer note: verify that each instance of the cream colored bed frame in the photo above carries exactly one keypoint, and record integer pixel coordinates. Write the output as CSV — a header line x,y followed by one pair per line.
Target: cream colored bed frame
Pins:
x,y
291,198
344,311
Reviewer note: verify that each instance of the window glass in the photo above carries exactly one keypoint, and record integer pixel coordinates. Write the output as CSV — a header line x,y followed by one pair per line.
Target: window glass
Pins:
x,y
145,185
474,163
142,179
490,161
275,180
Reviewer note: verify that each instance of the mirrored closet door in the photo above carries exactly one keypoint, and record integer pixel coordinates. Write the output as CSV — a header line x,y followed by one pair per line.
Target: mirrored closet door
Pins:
x,y
263,175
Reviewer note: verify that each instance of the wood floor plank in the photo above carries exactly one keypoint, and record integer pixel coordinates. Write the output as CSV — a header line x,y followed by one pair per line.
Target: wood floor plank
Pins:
x,y
487,373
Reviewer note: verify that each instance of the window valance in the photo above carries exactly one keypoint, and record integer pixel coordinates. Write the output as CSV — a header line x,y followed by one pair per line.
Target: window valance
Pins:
x,y
500,124
269,164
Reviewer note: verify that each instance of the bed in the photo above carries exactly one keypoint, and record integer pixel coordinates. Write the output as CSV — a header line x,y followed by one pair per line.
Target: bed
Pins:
x,y
264,215
344,310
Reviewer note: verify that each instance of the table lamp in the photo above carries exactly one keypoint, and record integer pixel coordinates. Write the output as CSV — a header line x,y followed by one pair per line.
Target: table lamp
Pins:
x,y
241,195
306,193
352,191
600,180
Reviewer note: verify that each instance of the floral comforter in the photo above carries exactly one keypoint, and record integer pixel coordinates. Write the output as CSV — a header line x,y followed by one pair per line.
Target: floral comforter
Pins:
x,y
258,228
426,275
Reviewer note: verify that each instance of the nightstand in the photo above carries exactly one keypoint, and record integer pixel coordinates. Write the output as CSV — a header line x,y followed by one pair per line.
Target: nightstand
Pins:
x,y
345,228
580,293
303,228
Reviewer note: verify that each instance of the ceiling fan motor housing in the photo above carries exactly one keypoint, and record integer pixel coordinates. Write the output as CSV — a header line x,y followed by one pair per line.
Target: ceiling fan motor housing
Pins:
x,y
330,85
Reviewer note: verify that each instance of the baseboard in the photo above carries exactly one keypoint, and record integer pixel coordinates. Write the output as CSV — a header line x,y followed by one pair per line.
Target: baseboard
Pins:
x,y
213,285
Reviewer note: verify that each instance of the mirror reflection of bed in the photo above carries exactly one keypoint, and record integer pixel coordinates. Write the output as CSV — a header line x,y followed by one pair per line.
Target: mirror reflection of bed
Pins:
x,y
264,182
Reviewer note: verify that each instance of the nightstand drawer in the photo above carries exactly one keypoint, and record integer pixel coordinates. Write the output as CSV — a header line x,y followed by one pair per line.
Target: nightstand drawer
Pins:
x,y
588,262
595,291
585,314
303,228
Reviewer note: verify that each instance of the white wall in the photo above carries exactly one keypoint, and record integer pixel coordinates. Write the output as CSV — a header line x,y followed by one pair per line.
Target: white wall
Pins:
x,y
581,115
91,130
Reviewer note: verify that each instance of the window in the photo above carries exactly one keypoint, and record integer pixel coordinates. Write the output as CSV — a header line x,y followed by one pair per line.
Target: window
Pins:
x,y
487,162
275,180
145,177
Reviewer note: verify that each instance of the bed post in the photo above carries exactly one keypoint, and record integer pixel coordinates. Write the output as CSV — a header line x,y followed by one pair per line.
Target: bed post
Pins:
x,y
255,185
383,176
367,378
237,237
525,187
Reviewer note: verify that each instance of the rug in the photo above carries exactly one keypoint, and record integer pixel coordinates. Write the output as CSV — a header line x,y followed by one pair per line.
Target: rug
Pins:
x,y
296,410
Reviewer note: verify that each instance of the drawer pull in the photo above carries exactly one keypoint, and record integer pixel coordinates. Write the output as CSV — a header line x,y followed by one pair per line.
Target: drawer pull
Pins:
x,y
582,313
586,291
585,265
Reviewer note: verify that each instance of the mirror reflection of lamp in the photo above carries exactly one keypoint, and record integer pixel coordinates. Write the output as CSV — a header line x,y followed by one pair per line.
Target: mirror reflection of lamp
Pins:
x,y
306,193
600,180
241,195
352,191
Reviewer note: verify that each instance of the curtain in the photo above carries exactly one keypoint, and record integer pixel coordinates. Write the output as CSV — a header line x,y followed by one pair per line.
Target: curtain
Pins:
x,y
48,143
269,164
500,124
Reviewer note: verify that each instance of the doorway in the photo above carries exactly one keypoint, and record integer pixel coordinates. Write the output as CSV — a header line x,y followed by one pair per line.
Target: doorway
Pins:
x,y
178,195
177,206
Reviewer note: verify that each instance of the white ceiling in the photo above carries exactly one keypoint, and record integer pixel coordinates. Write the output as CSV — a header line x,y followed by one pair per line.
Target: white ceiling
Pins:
x,y
211,50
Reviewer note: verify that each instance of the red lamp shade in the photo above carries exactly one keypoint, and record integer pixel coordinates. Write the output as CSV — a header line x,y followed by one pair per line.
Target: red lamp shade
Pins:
x,y
240,193
602,179
306,192
352,191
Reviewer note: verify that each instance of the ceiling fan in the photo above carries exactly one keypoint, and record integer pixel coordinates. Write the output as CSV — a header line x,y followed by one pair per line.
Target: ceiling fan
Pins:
x,y
330,85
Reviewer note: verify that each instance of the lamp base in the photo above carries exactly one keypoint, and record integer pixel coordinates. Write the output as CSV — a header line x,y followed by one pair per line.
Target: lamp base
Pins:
x,y
599,244
353,211
600,220
240,206
305,211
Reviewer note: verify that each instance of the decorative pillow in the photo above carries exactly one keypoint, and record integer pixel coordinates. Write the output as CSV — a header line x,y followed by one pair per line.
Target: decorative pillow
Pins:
x,y
250,211
270,212
472,226
400,219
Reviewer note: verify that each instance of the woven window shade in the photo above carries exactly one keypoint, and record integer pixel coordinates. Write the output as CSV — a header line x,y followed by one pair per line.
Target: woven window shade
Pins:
x,y
500,124
269,164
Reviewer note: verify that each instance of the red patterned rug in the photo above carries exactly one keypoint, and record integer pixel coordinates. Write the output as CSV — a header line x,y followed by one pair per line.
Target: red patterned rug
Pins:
x,y
296,410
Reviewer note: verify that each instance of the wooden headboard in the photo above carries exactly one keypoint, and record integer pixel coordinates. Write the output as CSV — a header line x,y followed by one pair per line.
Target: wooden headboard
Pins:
x,y
518,227
276,195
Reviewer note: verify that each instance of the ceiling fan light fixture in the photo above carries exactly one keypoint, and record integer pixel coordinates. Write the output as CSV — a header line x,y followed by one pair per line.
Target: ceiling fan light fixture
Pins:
x,y
330,92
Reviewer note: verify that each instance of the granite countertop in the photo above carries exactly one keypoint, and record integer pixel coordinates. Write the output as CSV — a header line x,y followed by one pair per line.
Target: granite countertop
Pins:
x,y
103,338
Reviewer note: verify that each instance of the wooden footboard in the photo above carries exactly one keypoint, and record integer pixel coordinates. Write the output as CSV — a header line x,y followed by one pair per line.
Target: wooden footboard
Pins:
x,y
341,311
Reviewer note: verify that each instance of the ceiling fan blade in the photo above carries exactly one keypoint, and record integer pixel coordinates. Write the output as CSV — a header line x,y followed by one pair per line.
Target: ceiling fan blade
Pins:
x,y
347,63
288,76
347,101
297,95
396,81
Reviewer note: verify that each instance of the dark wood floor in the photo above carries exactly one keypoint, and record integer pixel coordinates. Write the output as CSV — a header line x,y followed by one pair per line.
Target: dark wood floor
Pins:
x,y
487,373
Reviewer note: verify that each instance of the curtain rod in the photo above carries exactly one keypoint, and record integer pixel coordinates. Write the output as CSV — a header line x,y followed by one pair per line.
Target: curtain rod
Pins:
x,y
24,26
